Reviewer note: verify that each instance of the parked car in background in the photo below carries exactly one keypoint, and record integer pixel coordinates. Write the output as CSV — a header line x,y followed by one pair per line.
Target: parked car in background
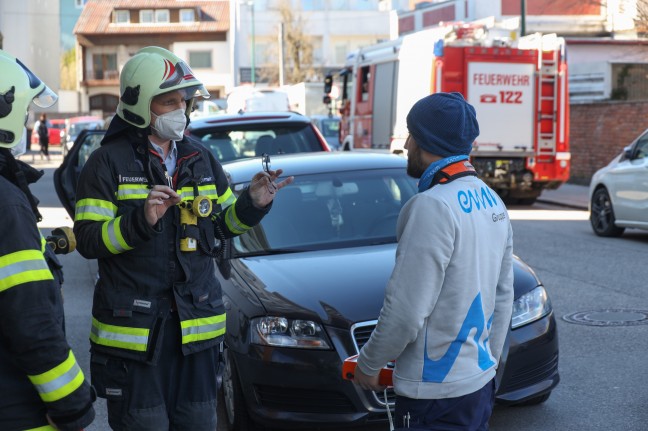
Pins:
x,y
329,125
207,108
56,129
251,134
292,320
619,192
74,126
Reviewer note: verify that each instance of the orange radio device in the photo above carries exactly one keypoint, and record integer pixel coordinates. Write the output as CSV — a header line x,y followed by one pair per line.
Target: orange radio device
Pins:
x,y
384,378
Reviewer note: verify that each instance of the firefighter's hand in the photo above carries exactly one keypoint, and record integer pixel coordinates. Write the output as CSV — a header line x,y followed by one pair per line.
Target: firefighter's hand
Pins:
x,y
263,187
158,201
366,382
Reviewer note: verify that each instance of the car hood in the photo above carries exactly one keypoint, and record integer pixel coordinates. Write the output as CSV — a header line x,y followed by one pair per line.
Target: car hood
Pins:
x,y
333,286
337,287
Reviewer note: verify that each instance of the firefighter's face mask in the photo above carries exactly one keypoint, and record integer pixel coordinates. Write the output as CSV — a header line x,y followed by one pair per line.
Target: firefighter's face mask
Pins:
x,y
170,126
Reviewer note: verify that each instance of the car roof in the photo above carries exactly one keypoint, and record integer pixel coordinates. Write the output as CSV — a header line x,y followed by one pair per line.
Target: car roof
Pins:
x,y
296,164
84,119
247,118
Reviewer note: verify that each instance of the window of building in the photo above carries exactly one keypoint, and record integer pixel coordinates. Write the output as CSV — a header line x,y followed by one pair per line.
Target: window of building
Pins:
x,y
187,15
104,102
200,59
340,4
104,66
364,4
122,17
312,4
162,15
146,16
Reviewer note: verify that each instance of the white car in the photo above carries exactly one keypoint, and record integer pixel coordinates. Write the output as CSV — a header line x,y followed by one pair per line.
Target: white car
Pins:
x,y
619,191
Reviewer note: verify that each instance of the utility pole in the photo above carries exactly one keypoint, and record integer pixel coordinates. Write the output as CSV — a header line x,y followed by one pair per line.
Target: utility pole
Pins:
x,y
522,17
252,63
281,54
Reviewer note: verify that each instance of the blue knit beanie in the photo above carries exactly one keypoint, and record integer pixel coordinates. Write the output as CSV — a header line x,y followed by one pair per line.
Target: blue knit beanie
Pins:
x,y
443,124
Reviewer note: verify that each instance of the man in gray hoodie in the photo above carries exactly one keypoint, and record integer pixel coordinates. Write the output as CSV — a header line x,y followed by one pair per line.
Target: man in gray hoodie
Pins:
x,y
449,300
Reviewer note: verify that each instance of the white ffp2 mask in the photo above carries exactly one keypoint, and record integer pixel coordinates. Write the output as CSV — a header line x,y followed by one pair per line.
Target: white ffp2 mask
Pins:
x,y
170,126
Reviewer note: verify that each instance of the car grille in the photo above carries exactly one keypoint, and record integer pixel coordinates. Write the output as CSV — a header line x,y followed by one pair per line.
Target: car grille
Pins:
x,y
532,373
361,332
303,401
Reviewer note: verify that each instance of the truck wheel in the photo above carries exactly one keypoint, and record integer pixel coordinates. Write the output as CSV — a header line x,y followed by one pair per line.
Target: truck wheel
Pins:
x,y
602,215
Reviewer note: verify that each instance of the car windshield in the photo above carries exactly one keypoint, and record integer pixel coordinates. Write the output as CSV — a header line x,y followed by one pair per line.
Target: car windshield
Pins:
x,y
330,127
77,127
332,210
242,141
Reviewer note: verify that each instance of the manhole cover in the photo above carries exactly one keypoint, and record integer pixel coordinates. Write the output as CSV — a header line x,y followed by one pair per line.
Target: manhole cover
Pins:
x,y
609,317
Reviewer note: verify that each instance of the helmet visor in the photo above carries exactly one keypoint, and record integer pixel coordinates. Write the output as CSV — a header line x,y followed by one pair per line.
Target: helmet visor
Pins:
x,y
45,98
195,91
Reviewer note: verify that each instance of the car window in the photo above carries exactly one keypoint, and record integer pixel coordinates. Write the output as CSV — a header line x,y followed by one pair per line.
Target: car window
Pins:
x,y
330,127
331,210
243,141
641,149
90,143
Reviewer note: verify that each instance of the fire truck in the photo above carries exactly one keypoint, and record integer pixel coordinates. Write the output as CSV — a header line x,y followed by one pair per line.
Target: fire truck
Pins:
x,y
518,86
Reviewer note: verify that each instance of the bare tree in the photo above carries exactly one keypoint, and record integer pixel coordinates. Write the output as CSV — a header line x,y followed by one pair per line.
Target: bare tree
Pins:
x,y
297,48
68,70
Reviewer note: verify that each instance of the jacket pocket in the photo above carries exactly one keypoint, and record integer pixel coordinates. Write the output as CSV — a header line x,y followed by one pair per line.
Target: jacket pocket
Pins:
x,y
109,376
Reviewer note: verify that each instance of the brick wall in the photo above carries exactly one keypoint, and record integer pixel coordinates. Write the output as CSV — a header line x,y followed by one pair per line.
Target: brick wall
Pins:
x,y
600,131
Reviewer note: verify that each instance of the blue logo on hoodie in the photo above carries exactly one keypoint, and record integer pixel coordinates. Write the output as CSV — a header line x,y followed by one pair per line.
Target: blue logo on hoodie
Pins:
x,y
437,370
478,199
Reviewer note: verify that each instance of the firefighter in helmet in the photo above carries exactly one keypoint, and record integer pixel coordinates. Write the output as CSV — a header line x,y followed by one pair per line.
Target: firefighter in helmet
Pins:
x,y
41,383
152,205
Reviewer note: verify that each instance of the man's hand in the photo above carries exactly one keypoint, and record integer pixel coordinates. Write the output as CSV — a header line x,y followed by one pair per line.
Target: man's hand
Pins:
x,y
369,383
158,201
263,188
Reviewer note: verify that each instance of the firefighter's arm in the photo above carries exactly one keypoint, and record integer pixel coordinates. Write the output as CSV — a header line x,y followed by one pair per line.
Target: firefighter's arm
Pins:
x,y
101,231
237,215
31,329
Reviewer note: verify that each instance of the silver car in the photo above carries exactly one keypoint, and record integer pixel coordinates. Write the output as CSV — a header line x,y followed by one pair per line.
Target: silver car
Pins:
x,y
619,191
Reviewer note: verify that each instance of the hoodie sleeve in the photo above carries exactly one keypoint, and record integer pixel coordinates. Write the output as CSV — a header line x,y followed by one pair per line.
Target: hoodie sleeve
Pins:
x,y
415,284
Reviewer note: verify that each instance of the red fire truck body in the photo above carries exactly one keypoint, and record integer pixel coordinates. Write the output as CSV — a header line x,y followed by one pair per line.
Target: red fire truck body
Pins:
x,y
518,88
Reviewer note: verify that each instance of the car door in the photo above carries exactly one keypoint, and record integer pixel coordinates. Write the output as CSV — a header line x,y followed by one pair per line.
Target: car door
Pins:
x,y
66,175
629,185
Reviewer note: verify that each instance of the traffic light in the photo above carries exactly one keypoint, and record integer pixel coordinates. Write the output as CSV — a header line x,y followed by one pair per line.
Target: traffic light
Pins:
x,y
328,84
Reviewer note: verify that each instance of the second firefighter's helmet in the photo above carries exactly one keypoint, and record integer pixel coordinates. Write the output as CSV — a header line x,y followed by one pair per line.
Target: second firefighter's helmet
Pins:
x,y
150,72
19,88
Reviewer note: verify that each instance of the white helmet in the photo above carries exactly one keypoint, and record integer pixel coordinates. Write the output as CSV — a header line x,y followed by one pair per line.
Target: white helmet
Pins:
x,y
18,88
150,72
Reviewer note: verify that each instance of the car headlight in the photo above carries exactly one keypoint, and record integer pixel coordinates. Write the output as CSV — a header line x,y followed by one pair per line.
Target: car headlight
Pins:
x,y
530,307
283,332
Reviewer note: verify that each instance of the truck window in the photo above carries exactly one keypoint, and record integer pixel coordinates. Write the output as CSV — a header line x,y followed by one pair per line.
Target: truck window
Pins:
x,y
365,77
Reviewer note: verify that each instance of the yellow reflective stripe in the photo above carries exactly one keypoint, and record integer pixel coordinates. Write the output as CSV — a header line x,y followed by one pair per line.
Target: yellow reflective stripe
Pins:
x,y
233,223
60,381
226,199
208,190
204,328
186,193
113,238
43,428
43,243
132,191
94,209
22,267
123,337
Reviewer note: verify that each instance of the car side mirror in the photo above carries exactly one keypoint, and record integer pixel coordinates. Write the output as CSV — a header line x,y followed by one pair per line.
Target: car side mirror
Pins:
x,y
627,153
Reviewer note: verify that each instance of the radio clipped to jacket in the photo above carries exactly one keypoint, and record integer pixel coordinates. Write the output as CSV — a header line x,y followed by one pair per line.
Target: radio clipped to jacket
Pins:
x,y
190,211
